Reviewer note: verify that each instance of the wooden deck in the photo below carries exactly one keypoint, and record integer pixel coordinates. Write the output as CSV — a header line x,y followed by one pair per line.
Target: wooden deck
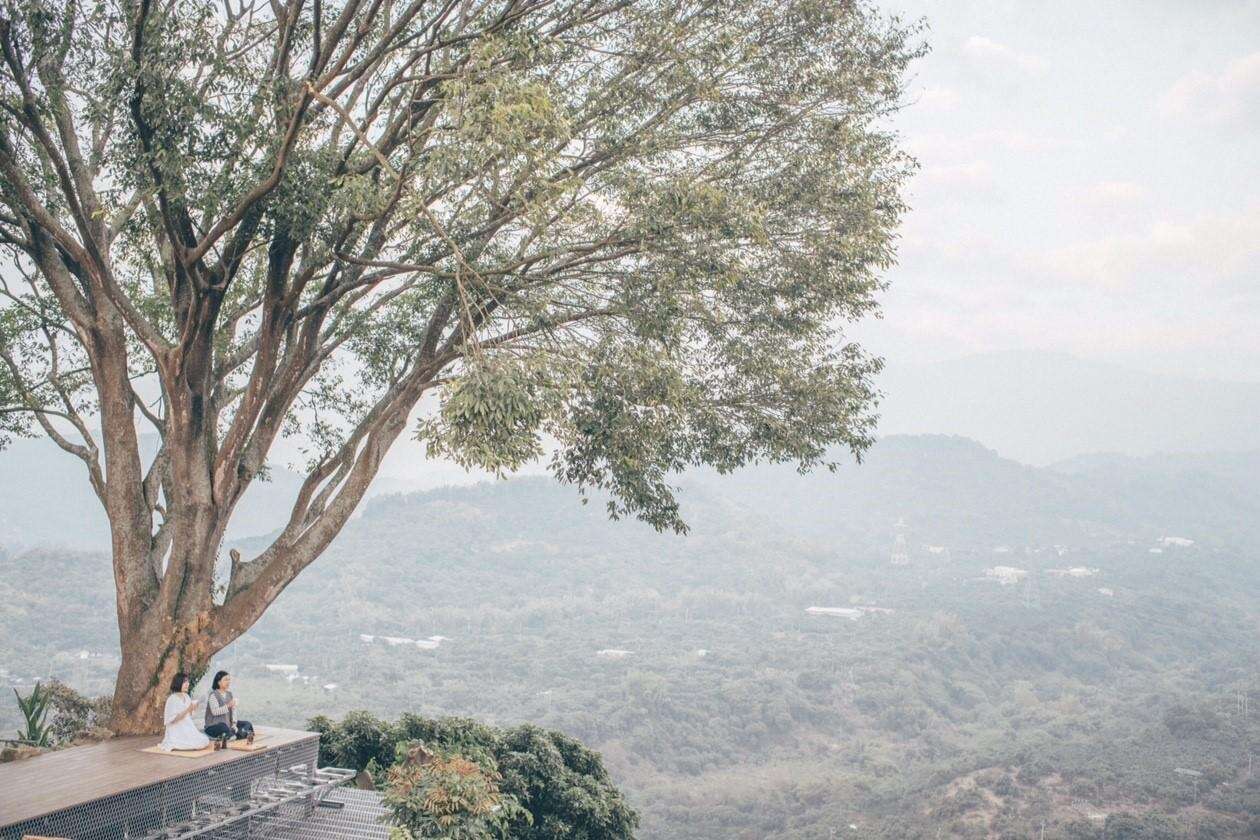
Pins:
x,y
42,785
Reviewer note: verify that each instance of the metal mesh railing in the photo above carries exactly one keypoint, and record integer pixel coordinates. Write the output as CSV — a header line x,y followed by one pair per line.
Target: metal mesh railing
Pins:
x,y
189,801
344,814
256,811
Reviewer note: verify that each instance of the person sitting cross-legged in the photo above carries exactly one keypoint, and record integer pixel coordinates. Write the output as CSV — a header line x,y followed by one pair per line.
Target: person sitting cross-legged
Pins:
x,y
181,731
221,720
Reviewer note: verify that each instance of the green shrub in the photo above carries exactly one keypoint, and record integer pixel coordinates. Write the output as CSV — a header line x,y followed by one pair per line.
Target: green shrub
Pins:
x,y
562,787
442,795
74,715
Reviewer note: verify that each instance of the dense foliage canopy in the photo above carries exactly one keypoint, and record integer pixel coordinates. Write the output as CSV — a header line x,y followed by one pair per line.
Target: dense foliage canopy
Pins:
x,y
560,786
633,228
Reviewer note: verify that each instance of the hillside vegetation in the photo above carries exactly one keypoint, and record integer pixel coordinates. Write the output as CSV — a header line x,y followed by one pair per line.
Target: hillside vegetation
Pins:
x,y
954,705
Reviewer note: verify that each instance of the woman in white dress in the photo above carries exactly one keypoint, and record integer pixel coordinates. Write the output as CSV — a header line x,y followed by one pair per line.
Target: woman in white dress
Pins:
x,y
181,732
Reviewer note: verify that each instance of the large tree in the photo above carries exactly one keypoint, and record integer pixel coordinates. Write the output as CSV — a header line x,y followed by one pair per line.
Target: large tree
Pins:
x,y
631,229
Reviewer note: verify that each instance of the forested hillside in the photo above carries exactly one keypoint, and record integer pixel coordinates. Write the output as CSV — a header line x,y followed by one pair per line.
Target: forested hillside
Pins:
x,y
1041,653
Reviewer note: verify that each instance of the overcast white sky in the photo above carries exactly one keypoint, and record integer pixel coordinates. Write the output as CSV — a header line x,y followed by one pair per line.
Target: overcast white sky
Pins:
x,y
1088,185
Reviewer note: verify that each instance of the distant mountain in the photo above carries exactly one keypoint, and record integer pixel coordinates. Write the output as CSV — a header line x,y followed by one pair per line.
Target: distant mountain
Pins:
x,y
948,490
45,499
1213,493
1035,408
1039,408
725,707
955,491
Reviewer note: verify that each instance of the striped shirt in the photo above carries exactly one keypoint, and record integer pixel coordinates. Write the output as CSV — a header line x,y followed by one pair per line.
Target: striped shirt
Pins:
x,y
217,710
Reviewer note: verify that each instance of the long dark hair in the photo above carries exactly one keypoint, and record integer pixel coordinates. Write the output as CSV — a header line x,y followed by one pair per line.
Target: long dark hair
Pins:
x,y
214,683
177,682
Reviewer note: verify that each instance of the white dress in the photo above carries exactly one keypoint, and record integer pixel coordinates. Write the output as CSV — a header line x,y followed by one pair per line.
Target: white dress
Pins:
x,y
181,734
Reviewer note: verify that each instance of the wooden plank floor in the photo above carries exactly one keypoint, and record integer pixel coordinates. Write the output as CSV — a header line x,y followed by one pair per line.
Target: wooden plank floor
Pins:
x,y
51,782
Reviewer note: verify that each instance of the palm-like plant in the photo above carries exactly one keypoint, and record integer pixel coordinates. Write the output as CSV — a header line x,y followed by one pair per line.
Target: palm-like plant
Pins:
x,y
34,708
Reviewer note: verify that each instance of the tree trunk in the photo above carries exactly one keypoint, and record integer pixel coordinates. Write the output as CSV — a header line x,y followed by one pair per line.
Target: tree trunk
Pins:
x,y
176,626
170,627
151,656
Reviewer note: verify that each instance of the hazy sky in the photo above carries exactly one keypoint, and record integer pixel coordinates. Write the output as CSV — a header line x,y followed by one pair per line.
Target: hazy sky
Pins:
x,y
1088,185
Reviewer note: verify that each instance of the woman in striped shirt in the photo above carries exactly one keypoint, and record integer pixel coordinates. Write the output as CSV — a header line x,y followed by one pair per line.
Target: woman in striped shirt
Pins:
x,y
221,720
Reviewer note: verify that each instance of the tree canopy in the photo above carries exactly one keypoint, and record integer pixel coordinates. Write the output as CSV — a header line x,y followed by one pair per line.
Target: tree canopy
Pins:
x,y
561,788
635,229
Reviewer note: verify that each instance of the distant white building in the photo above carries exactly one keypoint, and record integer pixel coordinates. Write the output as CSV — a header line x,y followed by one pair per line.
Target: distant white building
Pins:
x,y
1075,571
936,549
394,641
1006,575
1105,592
1157,551
613,653
330,686
1180,542
702,652
840,612
280,668
367,638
